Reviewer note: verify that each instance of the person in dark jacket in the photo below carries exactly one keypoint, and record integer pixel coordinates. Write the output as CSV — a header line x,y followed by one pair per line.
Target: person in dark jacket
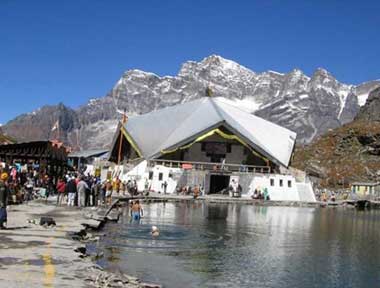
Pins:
x,y
71,188
3,199
95,191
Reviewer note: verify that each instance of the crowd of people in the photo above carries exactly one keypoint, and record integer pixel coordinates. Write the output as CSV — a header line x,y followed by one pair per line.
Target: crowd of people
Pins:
x,y
82,191
23,184
19,185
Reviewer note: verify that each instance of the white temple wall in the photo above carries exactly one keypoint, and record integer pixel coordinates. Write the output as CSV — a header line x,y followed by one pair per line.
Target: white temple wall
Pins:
x,y
285,192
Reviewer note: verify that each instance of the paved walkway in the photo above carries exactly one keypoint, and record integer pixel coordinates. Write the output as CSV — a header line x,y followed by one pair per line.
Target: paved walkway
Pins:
x,y
34,256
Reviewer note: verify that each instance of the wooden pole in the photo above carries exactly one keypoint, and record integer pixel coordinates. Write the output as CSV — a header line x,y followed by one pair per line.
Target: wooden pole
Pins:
x,y
120,146
123,121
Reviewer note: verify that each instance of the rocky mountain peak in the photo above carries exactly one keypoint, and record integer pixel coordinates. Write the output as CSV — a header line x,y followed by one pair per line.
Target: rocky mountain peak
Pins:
x,y
214,66
322,72
137,74
296,73
322,76
322,79
213,59
296,80
218,62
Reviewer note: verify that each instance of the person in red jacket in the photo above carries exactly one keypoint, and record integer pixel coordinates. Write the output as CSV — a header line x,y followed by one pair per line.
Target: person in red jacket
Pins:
x,y
61,188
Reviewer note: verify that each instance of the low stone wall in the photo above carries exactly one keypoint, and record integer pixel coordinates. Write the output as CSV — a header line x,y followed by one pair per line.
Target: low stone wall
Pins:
x,y
226,199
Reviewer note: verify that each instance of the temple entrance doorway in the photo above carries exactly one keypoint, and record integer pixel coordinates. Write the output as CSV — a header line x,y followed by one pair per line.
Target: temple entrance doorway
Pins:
x,y
219,184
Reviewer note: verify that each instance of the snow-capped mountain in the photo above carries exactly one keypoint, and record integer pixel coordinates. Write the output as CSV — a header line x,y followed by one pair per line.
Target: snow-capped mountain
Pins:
x,y
308,105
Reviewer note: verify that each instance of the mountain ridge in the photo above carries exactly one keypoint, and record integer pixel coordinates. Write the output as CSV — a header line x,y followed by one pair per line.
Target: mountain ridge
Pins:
x,y
348,153
307,105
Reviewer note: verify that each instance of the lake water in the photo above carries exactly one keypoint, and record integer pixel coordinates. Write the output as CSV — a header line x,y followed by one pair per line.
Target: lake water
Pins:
x,y
237,245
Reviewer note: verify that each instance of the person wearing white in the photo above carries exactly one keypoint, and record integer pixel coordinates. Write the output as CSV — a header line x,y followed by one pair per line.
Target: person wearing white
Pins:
x,y
81,188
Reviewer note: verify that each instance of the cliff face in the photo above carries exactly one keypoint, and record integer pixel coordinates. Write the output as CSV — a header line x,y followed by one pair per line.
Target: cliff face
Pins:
x,y
309,106
371,110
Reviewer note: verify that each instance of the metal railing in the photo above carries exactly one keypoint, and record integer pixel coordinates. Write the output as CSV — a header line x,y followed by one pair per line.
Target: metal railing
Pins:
x,y
210,166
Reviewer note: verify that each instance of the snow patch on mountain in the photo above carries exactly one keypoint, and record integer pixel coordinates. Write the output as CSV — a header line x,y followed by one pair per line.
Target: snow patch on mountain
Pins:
x,y
362,98
248,104
362,91
343,98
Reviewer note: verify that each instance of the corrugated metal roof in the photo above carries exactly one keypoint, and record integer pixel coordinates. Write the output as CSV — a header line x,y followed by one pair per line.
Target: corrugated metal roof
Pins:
x,y
172,126
6,140
88,153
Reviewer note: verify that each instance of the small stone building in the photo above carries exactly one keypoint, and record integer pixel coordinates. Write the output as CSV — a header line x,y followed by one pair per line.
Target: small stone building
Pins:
x,y
364,189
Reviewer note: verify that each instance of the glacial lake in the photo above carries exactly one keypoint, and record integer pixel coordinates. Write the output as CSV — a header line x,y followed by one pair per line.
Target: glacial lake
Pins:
x,y
238,245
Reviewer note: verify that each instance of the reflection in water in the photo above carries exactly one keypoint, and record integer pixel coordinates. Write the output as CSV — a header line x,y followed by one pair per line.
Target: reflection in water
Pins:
x,y
235,245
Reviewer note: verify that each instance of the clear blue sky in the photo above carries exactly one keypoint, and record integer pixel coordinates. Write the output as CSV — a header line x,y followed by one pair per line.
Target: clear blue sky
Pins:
x,y
70,51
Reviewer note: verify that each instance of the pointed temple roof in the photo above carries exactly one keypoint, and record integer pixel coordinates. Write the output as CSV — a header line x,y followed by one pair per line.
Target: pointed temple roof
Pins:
x,y
174,126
